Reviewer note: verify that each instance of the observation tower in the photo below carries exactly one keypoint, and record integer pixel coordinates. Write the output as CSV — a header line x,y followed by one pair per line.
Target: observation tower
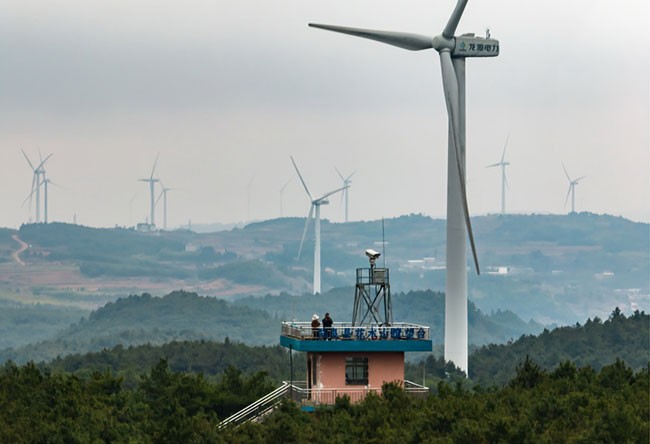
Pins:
x,y
357,357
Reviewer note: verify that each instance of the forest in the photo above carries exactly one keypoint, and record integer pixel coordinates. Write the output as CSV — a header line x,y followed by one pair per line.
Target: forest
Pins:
x,y
565,405
182,315
531,390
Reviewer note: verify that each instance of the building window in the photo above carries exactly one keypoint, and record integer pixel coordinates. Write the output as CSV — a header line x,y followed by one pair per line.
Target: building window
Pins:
x,y
356,371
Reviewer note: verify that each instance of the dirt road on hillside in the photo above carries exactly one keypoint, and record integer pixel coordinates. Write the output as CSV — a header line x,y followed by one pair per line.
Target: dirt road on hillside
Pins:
x,y
16,254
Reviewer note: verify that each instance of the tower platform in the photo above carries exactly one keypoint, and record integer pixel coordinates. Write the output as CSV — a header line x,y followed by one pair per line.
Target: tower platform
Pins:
x,y
399,337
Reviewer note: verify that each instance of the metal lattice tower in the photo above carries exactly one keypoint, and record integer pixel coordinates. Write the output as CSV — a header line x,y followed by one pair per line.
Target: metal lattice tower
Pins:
x,y
372,304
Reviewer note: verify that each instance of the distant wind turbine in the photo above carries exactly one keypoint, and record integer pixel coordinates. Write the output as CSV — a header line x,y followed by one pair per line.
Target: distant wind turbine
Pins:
x,y
151,182
315,205
452,50
37,180
346,184
282,196
572,190
504,182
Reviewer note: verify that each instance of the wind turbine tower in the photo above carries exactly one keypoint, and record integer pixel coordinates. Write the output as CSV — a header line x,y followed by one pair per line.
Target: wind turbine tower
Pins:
x,y
504,182
151,182
314,208
46,182
453,51
346,183
572,190
163,195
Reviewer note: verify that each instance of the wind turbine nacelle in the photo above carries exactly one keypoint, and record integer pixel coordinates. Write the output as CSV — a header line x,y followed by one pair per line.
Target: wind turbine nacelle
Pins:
x,y
469,45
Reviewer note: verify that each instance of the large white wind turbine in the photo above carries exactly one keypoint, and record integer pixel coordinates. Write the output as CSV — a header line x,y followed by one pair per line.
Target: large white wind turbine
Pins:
x,y
38,179
315,204
452,50
504,182
572,190
151,182
346,183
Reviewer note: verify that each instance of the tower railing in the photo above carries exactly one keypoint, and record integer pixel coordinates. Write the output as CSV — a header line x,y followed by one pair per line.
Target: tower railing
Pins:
x,y
343,331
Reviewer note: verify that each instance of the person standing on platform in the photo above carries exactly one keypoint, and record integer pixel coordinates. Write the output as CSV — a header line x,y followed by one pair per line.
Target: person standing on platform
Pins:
x,y
315,326
327,325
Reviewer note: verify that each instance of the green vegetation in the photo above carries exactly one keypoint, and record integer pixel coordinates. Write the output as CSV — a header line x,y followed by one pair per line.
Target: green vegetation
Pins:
x,y
203,357
594,344
567,404
146,319
183,316
22,324
560,267
165,407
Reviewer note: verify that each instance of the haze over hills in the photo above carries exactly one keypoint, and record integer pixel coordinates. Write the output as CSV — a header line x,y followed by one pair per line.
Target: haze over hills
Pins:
x,y
182,316
552,268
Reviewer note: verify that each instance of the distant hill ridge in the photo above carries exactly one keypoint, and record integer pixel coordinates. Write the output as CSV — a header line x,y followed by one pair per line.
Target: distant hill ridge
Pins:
x,y
183,315
594,344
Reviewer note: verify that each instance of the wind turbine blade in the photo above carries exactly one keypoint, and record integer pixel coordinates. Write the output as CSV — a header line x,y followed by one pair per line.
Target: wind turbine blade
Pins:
x,y
301,179
45,160
505,179
503,156
324,196
340,175
304,232
28,198
27,159
158,199
452,24
579,178
568,194
493,165
350,176
404,40
285,185
450,84
154,165
567,174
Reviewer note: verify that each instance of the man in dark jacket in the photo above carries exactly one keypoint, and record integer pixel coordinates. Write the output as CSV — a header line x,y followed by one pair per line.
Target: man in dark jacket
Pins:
x,y
327,325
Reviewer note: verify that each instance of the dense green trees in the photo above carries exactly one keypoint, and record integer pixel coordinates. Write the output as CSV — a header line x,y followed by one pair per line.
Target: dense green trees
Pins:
x,y
594,344
564,405
166,406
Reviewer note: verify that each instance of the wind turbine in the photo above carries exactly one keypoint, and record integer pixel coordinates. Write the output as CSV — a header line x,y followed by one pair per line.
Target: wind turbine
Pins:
x,y
37,180
346,183
504,182
151,182
452,51
572,190
282,198
163,195
315,205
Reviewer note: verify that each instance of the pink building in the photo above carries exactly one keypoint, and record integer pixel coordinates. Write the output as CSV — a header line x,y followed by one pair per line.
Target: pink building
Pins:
x,y
358,357
356,360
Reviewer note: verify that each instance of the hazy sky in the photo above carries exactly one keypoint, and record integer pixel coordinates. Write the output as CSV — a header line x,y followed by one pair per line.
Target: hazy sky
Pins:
x,y
227,91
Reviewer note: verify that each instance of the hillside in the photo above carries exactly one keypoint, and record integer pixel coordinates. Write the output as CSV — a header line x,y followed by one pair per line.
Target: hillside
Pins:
x,y
183,316
595,344
552,268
